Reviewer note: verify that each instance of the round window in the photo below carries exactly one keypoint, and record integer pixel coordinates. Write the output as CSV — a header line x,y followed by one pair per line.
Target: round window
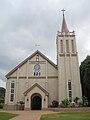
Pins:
x,y
37,67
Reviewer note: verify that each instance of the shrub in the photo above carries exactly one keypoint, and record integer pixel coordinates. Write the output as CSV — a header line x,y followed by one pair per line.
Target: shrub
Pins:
x,y
85,102
76,99
54,103
1,105
64,103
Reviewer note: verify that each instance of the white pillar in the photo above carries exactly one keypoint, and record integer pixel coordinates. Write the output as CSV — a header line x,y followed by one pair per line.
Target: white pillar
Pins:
x,y
27,69
17,85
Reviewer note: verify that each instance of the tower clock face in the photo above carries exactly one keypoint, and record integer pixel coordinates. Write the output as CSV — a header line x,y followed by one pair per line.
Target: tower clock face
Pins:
x,y
37,67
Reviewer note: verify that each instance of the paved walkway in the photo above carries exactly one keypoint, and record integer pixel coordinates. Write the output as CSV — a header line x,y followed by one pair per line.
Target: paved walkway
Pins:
x,y
35,115
28,115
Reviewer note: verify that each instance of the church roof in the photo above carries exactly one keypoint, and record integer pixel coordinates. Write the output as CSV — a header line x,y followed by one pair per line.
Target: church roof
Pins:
x,y
64,25
36,85
36,52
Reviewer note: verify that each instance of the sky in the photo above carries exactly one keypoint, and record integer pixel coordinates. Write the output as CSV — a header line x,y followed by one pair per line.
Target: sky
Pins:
x,y
30,25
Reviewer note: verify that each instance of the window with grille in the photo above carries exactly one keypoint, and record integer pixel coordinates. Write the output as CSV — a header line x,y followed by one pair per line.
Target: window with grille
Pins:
x,y
12,91
67,46
70,89
72,43
37,69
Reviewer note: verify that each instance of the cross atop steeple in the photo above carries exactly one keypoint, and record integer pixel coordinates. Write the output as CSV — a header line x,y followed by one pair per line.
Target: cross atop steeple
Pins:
x,y
64,25
63,10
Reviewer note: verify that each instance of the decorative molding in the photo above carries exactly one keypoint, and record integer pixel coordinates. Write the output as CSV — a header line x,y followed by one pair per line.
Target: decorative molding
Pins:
x,y
36,62
13,77
52,76
39,77
74,54
72,35
61,55
67,54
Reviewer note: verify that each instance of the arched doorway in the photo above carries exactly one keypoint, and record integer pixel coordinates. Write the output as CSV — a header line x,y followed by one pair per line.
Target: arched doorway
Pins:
x,y
36,102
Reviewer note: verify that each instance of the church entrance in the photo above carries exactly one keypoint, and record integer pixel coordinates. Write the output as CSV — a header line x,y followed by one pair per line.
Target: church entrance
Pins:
x,y
36,102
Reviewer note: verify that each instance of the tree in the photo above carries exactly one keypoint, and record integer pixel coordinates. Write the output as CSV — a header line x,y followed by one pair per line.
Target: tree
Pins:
x,y
2,96
85,77
2,93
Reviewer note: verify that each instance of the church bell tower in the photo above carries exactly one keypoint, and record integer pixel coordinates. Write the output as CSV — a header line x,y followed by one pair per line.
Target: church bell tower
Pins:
x,y
69,85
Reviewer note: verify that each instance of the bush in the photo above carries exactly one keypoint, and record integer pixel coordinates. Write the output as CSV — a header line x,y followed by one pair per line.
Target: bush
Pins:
x,y
85,102
1,105
54,103
76,99
64,103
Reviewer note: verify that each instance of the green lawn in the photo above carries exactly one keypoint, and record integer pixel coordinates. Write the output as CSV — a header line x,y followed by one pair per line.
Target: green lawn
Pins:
x,y
67,116
6,116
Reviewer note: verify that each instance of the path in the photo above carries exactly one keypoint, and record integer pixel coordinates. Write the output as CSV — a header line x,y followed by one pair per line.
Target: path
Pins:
x,y
28,115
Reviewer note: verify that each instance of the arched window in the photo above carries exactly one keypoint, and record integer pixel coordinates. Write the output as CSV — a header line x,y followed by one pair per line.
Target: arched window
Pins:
x,y
61,44
37,57
72,43
67,46
37,70
12,86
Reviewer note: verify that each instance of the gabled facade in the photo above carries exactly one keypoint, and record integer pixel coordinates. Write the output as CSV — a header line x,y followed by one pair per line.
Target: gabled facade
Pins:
x,y
37,81
34,76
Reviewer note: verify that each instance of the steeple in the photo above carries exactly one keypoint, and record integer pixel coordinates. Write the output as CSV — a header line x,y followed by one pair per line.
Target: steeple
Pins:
x,y
64,25
69,84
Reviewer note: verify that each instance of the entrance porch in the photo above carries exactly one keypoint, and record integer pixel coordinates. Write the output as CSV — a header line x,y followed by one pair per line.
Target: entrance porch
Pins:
x,y
36,98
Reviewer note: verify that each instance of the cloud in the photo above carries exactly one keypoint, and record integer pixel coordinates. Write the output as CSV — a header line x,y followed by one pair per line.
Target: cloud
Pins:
x,y
25,23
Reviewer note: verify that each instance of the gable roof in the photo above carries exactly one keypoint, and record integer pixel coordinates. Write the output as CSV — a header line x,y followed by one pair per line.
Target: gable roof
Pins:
x,y
36,85
36,52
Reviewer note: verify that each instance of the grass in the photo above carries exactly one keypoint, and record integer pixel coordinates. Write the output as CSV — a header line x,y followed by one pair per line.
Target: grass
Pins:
x,y
67,116
6,116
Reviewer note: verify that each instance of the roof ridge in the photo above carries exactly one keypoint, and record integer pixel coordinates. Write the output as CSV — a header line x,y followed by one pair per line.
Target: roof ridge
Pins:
x,y
15,68
34,85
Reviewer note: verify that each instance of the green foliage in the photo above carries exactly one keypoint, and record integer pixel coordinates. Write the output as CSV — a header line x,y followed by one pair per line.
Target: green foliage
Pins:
x,y
6,116
64,103
72,102
2,96
1,105
85,77
2,93
84,101
76,99
67,116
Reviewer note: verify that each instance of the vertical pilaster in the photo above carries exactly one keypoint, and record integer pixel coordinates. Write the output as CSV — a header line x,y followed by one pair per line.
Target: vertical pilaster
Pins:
x,y
17,87
7,92
27,75
46,82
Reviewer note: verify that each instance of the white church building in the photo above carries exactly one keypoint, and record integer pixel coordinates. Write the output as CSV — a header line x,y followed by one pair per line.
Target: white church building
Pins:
x,y
37,81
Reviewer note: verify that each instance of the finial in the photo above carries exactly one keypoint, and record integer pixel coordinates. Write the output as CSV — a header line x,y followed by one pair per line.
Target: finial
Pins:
x,y
64,25
63,10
